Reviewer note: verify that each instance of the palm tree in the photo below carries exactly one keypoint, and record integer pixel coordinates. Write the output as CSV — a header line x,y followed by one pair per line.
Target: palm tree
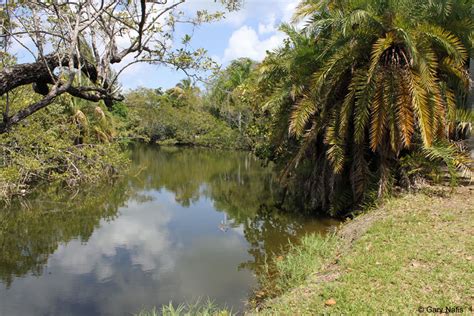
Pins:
x,y
385,80
186,91
224,92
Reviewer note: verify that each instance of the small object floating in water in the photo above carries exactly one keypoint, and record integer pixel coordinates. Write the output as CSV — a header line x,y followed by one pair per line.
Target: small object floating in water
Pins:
x,y
223,226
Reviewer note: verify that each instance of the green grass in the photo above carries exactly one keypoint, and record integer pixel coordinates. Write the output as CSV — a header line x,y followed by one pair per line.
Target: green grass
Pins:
x,y
302,259
197,308
417,251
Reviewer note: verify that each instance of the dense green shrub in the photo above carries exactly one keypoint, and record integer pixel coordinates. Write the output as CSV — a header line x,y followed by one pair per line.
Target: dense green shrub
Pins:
x,y
71,142
175,118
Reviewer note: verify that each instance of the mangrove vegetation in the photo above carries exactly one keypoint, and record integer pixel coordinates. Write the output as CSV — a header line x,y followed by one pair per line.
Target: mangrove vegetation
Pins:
x,y
361,101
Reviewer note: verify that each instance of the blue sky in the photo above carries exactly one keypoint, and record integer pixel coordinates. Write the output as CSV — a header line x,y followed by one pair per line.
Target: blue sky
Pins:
x,y
249,32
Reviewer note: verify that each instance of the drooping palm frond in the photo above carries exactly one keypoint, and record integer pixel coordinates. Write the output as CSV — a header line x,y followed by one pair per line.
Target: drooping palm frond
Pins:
x,y
379,47
378,114
359,172
455,71
405,115
335,152
451,44
363,86
303,110
450,155
420,103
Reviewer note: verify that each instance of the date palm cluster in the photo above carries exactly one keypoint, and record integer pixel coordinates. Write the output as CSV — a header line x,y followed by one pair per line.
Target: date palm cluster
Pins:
x,y
369,94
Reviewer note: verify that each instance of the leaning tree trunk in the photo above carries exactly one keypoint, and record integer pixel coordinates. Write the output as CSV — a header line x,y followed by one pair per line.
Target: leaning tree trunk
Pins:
x,y
40,74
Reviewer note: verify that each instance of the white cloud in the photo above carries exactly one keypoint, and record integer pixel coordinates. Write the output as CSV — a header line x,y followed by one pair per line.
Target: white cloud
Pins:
x,y
248,42
268,27
288,9
252,9
245,42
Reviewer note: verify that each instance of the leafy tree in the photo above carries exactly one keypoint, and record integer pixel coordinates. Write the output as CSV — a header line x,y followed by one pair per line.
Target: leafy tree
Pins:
x,y
225,94
185,93
76,45
177,117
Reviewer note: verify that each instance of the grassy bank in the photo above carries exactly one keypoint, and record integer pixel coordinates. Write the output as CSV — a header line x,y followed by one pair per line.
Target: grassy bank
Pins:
x,y
414,253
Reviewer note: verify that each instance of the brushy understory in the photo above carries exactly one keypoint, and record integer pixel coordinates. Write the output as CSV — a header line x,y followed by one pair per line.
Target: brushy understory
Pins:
x,y
413,253
70,143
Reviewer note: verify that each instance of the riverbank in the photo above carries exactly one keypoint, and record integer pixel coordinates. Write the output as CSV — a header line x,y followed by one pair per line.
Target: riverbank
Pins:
x,y
414,253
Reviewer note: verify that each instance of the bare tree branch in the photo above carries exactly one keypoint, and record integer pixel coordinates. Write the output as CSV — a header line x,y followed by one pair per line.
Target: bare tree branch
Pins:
x,y
79,41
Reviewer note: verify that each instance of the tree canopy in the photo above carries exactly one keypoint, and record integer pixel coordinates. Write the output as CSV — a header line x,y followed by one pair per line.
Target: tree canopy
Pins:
x,y
76,43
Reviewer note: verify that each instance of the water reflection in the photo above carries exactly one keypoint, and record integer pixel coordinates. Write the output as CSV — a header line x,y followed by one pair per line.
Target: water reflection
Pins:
x,y
184,223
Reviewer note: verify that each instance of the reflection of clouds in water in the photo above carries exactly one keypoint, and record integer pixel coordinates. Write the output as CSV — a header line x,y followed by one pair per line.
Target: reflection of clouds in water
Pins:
x,y
156,249
137,261
92,273
142,233
200,275
239,230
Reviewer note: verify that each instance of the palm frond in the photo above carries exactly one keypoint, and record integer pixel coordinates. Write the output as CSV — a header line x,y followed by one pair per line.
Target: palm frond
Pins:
x,y
378,48
449,66
365,88
378,115
302,112
450,42
359,172
454,159
335,152
405,115
419,96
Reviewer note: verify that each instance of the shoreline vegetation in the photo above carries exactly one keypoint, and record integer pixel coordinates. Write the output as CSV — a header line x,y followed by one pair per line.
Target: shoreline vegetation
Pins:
x,y
411,252
367,101
68,144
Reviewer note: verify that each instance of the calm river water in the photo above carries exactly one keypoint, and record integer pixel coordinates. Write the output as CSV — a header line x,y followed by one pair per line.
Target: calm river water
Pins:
x,y
186,223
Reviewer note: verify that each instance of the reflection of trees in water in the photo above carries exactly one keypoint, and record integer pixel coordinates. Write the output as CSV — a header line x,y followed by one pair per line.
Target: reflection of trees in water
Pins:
x,y
30,233
238,186
268,233
188,173
235,181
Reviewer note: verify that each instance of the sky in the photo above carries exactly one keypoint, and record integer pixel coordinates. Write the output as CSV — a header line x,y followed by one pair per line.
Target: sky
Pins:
x,y
249,32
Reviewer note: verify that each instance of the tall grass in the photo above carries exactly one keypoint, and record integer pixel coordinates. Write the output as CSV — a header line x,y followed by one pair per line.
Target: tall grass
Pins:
x,y
302,259
199,308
